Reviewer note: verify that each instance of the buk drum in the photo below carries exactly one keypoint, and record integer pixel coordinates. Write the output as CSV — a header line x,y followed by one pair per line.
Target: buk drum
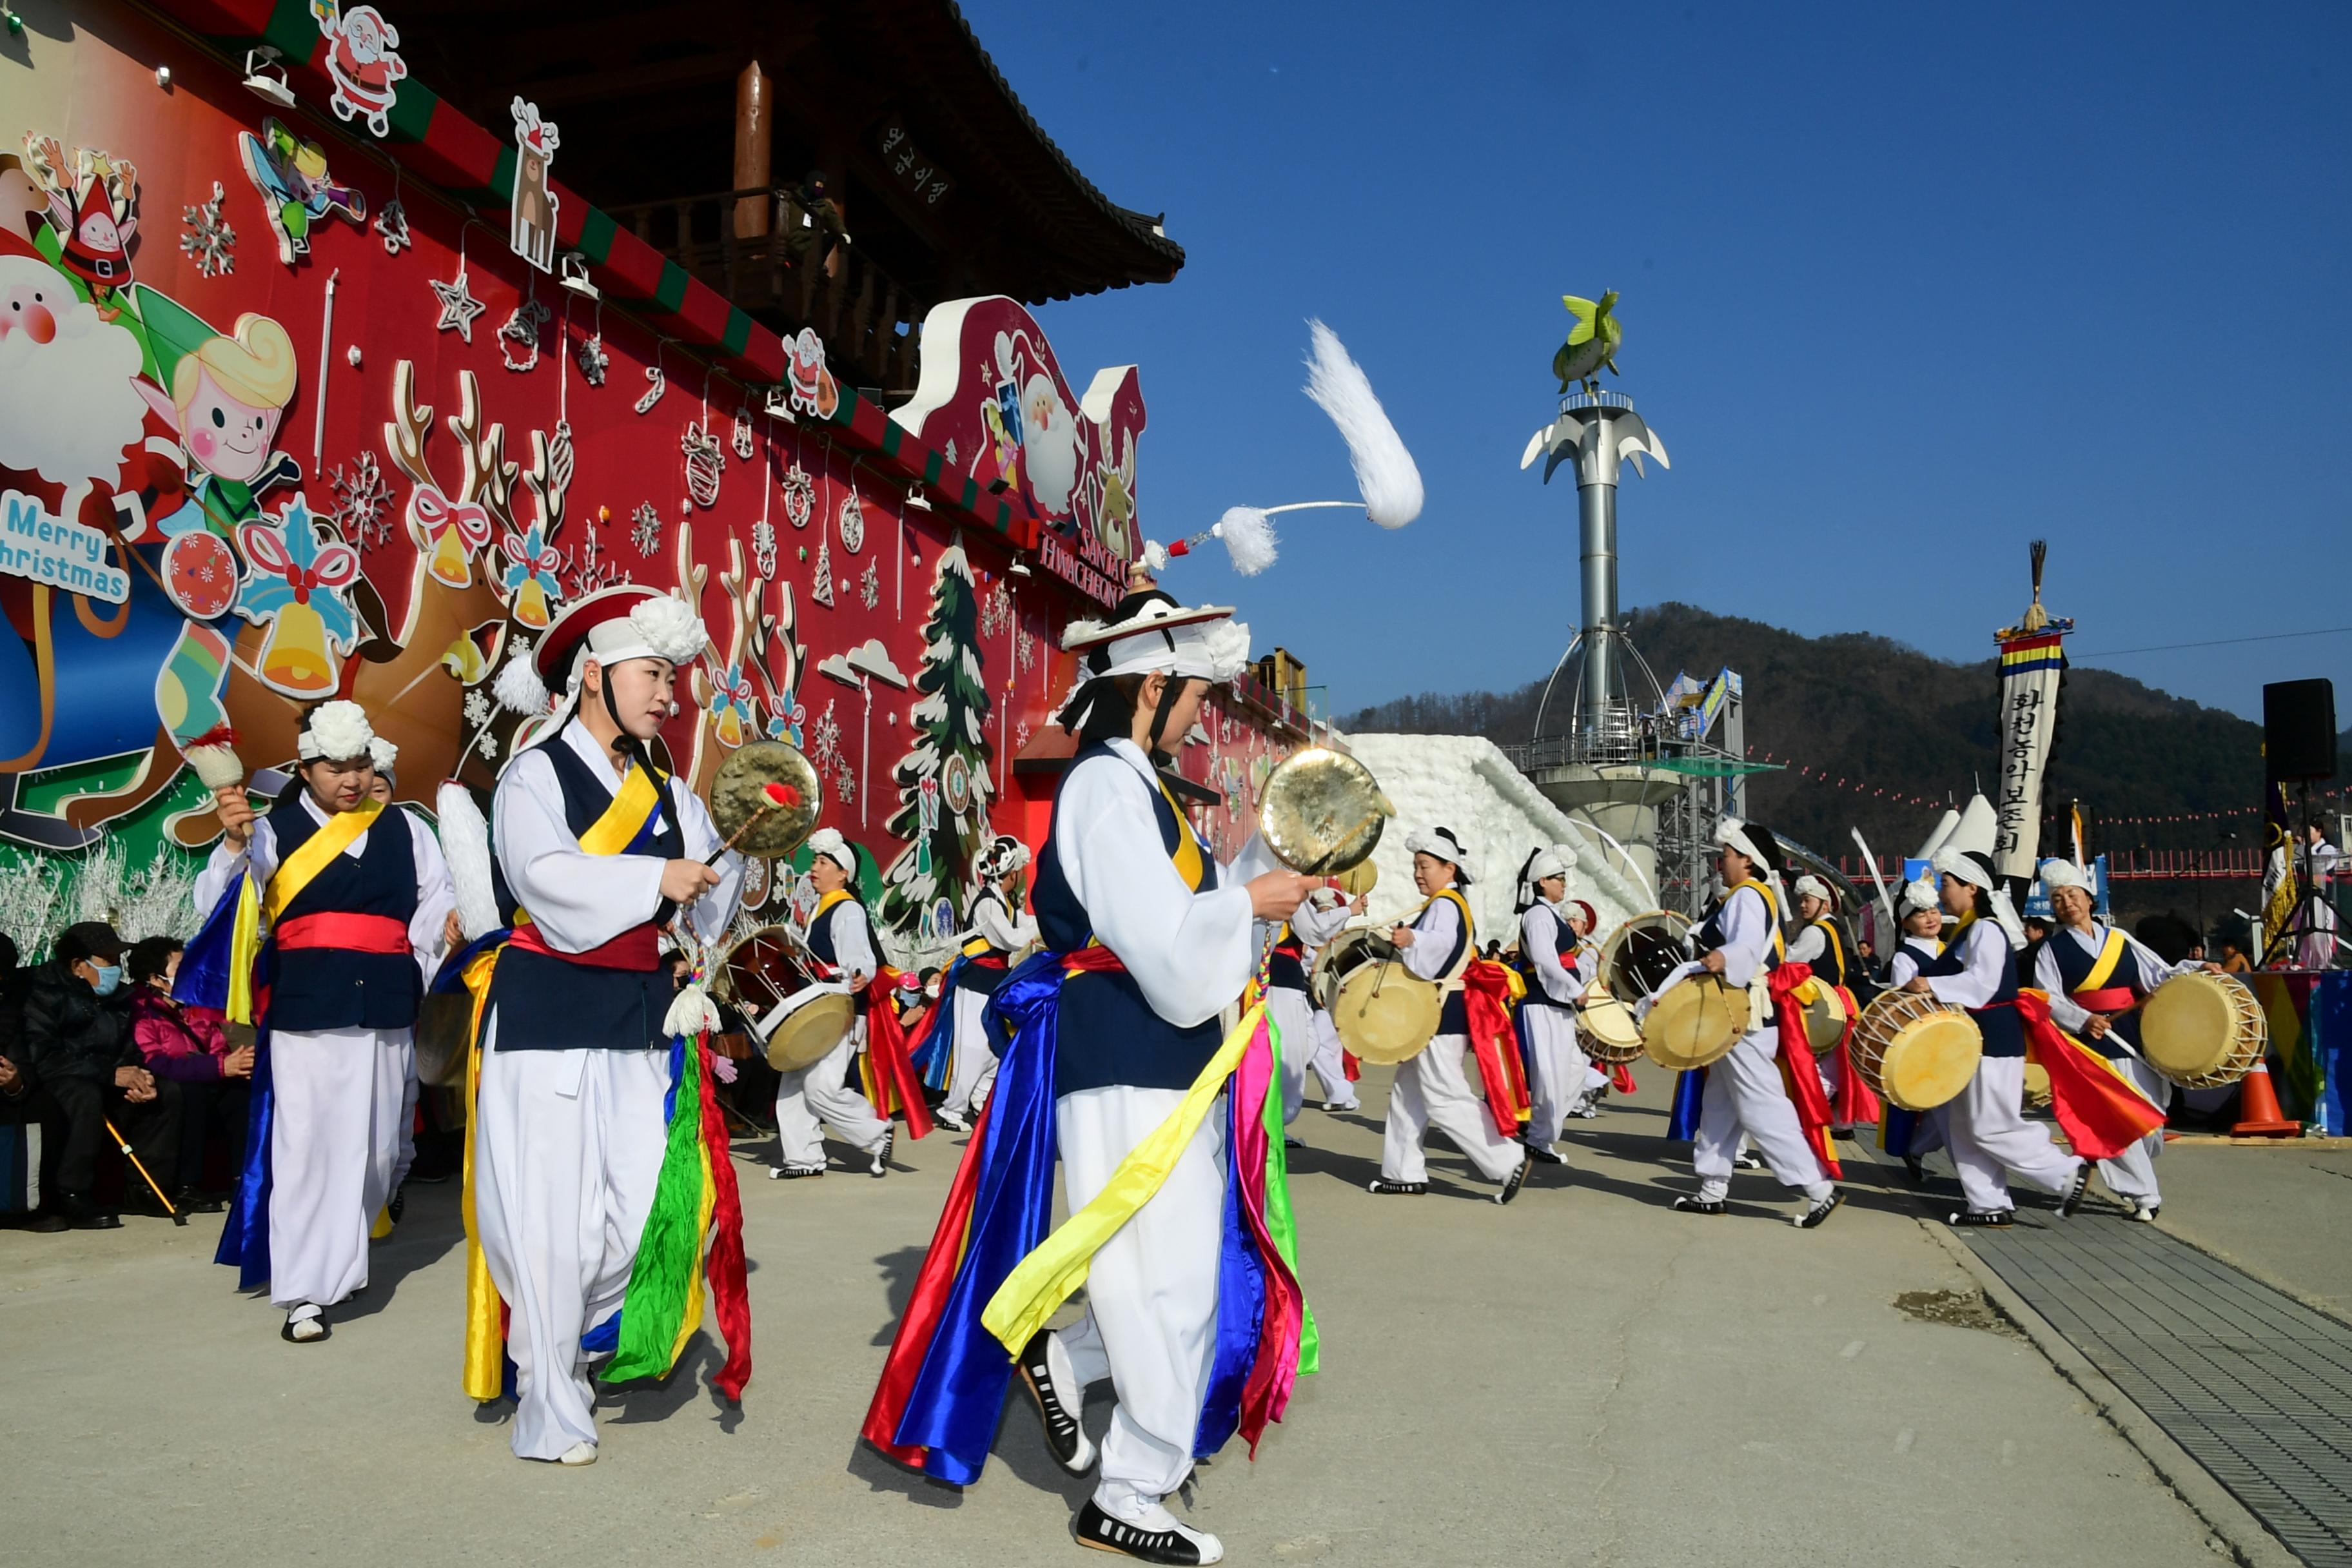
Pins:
x,y
1695,1022
1640,953
771,977
1382,1010
2203,1030
1825,1016
1914,1051
1606,1030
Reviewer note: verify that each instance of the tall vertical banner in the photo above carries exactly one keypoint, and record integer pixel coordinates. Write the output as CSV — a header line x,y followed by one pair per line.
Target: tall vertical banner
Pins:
x,y
2032,669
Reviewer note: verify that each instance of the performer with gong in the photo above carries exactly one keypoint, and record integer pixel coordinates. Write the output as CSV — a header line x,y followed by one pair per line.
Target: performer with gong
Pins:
x,y
357,905
1114,1066
1766,1085
586,1148
1432,1087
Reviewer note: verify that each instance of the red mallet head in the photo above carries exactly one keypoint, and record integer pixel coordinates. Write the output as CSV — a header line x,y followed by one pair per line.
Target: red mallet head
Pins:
x,y
784,795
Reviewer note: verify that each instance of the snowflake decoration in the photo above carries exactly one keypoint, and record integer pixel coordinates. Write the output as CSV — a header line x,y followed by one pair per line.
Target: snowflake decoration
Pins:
x,y
1020,735
645,528
592,359
799,495
363,509
522,330
821,588
706,463
763,547
995,610
1024,649
487,744
848,787
742,432
869,586
589,568
853,523
478,708
210,242
392,226
824,740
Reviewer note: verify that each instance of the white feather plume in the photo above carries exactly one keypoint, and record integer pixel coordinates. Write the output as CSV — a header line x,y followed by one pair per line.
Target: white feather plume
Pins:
x,y
519,688
218,766
1079,631
465,846
1248,534
1384,469
670,628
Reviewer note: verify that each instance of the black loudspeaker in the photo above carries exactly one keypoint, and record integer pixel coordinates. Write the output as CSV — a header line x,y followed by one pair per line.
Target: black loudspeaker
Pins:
x,y
2299,730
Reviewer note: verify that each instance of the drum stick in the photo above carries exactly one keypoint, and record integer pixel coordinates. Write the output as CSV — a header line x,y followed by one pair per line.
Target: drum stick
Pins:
x,y
124,1144
781,797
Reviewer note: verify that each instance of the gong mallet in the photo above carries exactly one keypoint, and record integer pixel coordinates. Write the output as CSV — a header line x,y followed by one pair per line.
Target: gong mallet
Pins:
x,y
124,1144
781,796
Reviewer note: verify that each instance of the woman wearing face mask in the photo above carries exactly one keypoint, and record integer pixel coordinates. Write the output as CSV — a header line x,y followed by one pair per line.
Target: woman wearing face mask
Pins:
x,y
80,1046
186,1046
358,908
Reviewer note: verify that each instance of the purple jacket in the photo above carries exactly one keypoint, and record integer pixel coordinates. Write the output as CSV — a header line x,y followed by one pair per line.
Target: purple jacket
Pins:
x,y
184,1043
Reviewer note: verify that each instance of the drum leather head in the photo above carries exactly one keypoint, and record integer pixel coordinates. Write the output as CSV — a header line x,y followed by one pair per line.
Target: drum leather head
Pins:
x,y
1825,1019
1695,1022
1382,1011
1930,1060
1607,1030
803,1036
1644,950
2202,1030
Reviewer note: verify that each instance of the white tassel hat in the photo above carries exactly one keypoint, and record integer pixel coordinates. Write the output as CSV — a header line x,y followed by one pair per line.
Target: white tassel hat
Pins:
x,y
611,627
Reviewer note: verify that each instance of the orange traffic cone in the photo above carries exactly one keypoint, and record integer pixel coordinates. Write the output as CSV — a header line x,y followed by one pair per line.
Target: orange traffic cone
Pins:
x,y
2258,1107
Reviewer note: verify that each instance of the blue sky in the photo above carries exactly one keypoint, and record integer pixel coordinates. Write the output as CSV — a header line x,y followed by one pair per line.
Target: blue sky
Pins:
x,y
1902,290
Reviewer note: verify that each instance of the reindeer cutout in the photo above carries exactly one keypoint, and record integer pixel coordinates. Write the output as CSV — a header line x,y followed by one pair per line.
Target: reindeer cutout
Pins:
x,y
531,222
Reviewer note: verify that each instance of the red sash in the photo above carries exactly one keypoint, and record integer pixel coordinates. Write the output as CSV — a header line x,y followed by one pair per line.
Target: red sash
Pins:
x,y
638,948
2103,1112
342,928
2106,999
1486,999
1798,1074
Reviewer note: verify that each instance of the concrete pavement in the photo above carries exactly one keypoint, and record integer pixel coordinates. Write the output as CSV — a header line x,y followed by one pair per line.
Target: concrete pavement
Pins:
x,y
1582,1377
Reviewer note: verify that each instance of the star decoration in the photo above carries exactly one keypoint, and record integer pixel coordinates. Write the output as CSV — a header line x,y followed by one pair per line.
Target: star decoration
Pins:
x,y
458,308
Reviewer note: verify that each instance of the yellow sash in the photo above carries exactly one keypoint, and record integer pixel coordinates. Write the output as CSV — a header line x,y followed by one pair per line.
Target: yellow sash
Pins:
x,y
1187,853
318,852
615,829
1771,914
2103,969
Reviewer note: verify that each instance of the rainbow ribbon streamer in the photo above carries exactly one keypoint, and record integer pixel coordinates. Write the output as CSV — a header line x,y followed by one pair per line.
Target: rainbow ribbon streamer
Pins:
x,y
994,1275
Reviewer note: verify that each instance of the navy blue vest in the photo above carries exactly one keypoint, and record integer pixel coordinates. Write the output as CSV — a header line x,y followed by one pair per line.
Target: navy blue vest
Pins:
x,y
1831,966
1454,1014
1564,943
2003,1030
820,940
328,987
1109,1035
984,978
1921,953
546,1004
1710,934
1285,965
2075,967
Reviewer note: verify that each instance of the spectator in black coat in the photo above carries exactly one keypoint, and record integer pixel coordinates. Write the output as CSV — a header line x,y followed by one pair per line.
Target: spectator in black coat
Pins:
x,y
79,1044
22,1102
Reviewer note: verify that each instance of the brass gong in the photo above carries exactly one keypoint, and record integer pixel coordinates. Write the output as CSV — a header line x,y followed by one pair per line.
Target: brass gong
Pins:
x,y
1323,812
747,818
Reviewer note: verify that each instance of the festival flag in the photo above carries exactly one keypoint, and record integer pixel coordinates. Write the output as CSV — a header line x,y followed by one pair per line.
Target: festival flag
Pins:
x,y
2032,669
2278,868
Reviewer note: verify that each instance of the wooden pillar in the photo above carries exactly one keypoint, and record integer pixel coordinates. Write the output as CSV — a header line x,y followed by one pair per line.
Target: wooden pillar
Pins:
x,y
755,137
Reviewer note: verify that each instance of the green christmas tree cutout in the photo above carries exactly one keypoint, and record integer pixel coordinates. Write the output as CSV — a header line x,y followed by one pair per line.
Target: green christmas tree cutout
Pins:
x,y
943,782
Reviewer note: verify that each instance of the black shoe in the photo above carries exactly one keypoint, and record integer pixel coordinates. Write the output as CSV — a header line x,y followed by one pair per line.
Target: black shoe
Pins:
x,y
1688,1204
881,1164
316,1319
1099,1531
1748,1161
794,1173
1917,1168
83,1215
49,1222
187,1200
1056,1393
1516,1179
2075,1193
1547,1155
1408,1189
1981,1219
1822,1210
398,1204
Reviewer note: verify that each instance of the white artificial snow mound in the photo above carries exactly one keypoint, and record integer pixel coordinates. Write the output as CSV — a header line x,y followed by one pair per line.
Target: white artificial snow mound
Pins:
x,y
1465,782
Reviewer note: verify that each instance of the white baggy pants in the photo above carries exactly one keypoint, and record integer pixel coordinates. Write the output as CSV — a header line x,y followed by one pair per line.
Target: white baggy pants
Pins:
x,y
1330,1065
975,1063
822,1094
1744,1094
1152,1292
1293,1017
334,1138
1432,1090
567,1151
2131,1175
1992,1142
1561,1075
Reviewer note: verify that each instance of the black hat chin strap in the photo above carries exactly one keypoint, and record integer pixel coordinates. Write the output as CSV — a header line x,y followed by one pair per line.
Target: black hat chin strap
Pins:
x,y
1172,693
625,746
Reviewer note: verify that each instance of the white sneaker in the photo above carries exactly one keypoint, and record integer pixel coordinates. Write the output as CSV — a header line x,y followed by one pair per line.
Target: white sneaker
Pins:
x,y
582,1453
1153,1535
952,1121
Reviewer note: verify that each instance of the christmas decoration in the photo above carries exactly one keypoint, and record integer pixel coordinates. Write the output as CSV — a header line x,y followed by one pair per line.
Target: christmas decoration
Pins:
x,y
853,523
529,579
531,223
458,305
392,226
592,359
705,464
646,529
362,61
869,586
799,495
743,432
296,593
763,547
820,587
93,205
950,721
363,513
210,241
520,336
655,385
296,191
